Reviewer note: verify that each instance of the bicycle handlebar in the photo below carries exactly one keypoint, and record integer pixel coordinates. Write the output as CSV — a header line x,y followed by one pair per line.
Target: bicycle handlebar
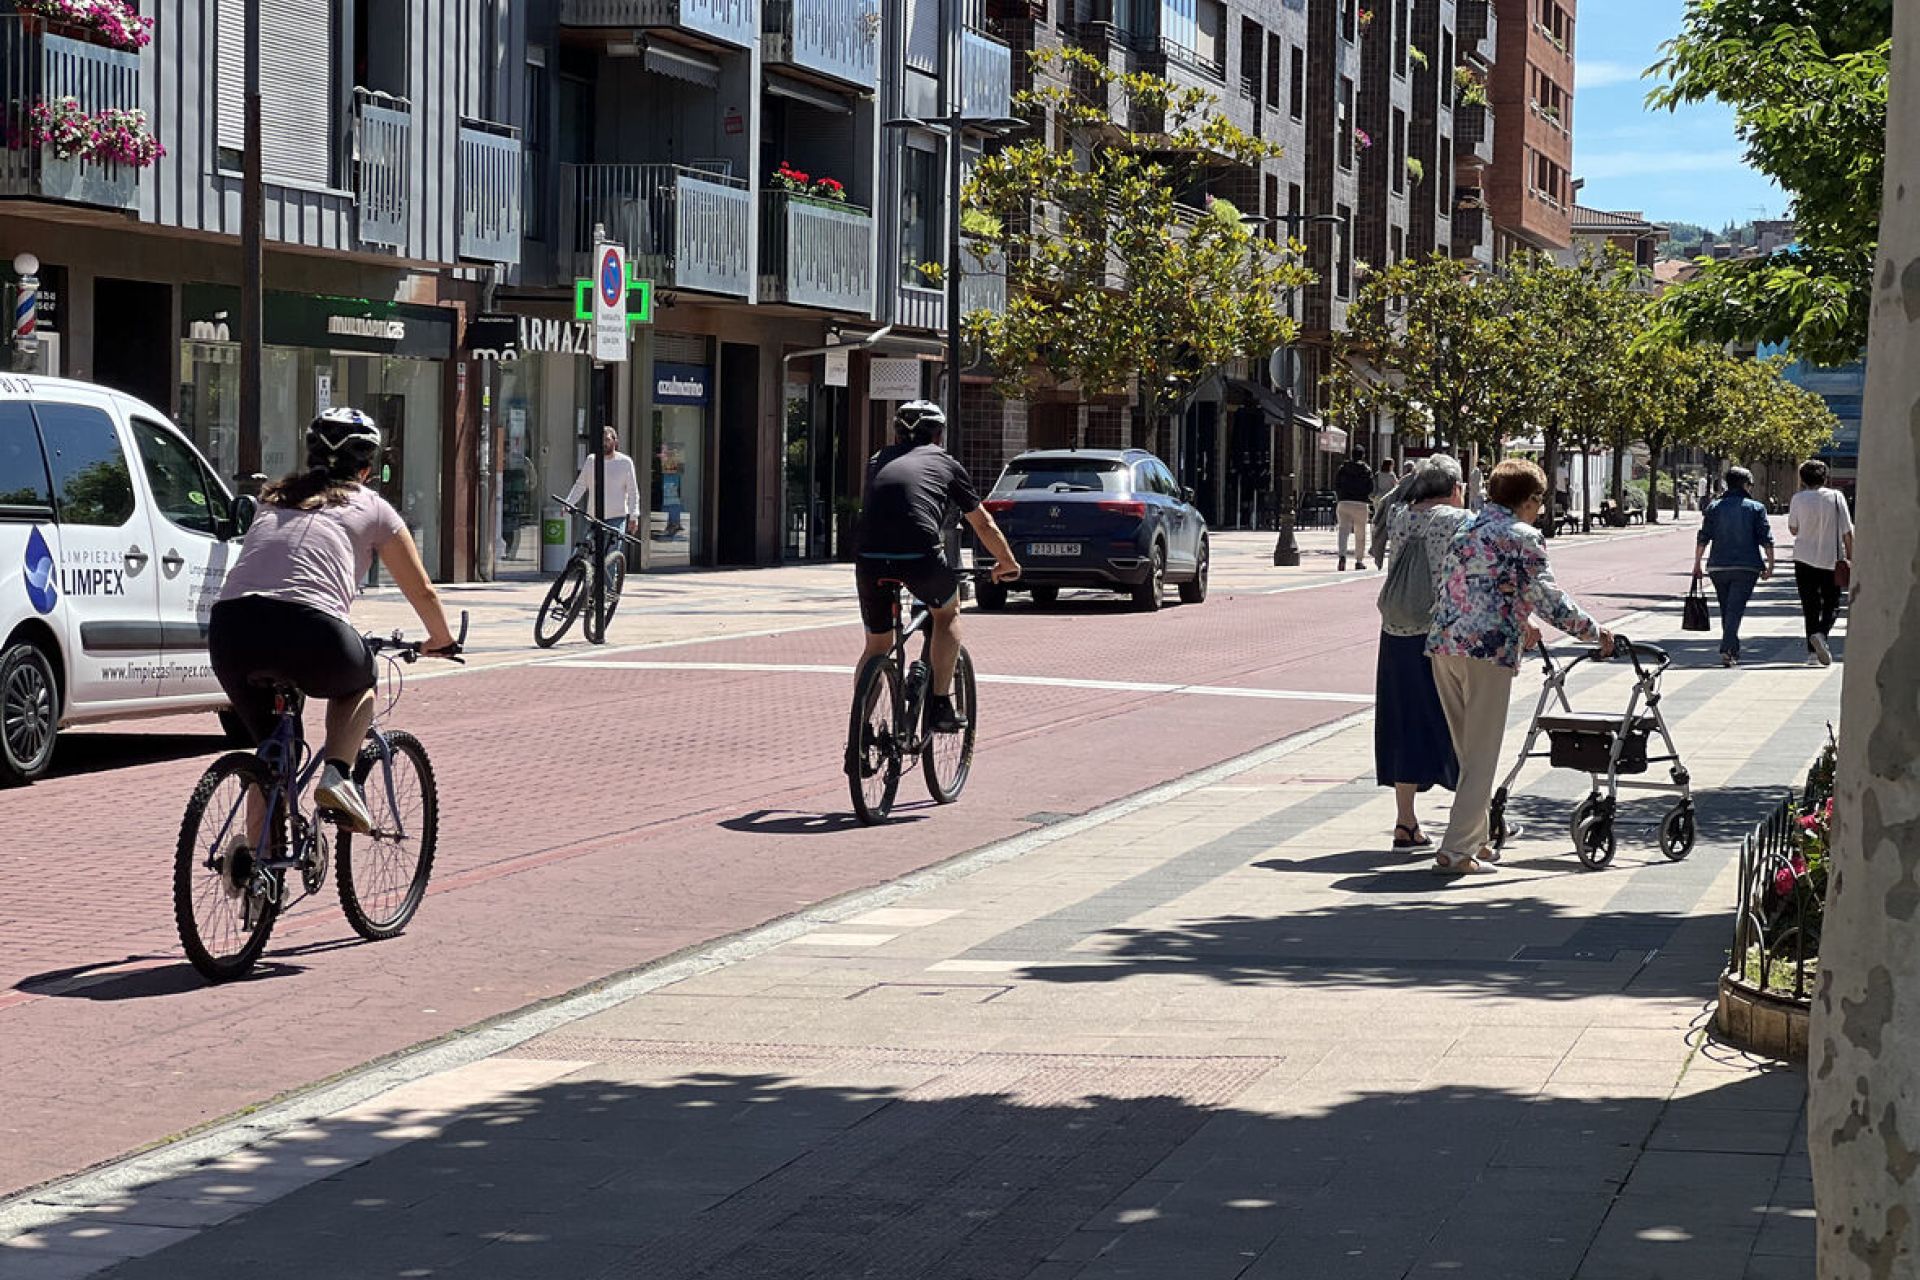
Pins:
x,y
405,650
613,529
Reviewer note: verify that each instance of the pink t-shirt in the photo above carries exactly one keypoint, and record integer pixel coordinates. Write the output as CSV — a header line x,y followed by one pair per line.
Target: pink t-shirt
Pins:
x,y
316,557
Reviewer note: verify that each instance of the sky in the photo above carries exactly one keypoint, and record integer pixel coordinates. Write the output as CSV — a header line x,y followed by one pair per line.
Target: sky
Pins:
x,y
1684,165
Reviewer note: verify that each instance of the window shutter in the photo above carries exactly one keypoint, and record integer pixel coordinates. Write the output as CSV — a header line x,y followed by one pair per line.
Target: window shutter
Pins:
x,y
296,86
923,36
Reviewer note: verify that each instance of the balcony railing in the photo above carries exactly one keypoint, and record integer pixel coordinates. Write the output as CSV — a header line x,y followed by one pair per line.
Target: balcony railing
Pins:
x,y
1479,30
986,76
490,201
983,282
682,227
1473,132
382,134
36,67
731,22
1177,54
816,253
835,38
1472,233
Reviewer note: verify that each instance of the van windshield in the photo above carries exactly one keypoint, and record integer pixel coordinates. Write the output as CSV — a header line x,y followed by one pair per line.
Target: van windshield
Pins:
x,y
1026,476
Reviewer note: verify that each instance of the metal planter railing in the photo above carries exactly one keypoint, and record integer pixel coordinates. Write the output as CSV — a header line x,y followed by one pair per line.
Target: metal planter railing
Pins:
x,y
491,170
733,22
37,66
1479,30
816,253
1782,904
682,227
986,75
837,38
1473,131
382,137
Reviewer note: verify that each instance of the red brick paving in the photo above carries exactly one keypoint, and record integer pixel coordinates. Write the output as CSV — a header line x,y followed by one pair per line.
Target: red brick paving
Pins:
x,y
594,822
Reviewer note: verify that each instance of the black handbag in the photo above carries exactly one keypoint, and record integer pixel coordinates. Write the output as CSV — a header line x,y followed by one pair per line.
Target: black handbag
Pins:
x,y
1694,615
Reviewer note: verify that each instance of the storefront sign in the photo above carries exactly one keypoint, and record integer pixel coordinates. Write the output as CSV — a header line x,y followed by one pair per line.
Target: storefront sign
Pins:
x,y
210,313
833,369
893,378
681,383
552,337
494,336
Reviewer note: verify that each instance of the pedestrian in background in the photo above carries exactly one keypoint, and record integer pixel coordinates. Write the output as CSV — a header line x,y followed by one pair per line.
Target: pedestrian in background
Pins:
x,y
1496,578
1476,487
1385,480
1412,745
1383,509
1822,530
1741,537
1353,489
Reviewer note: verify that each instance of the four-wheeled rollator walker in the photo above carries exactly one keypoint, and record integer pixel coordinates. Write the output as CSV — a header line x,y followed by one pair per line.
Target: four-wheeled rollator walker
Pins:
x,y
1611,750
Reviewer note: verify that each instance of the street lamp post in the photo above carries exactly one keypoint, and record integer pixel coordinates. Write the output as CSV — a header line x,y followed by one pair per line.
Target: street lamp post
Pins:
x,y
252,256
1286,549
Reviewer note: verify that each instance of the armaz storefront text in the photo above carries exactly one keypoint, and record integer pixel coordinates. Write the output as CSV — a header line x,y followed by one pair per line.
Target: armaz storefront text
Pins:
x,y
386,358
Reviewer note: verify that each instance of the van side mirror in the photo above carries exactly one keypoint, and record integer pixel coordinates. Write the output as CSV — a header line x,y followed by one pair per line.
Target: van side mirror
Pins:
x,y
245,507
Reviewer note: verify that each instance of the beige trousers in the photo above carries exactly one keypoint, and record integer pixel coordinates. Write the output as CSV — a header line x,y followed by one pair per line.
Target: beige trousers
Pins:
x,y
1475,694
1353,518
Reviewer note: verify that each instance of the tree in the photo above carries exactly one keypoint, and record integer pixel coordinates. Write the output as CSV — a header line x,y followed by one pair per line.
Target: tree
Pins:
x,y
1807,80
1115,285
1863,1122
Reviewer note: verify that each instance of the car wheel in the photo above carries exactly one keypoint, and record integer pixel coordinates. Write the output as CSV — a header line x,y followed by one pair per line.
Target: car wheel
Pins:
x,y
1194,589
29,713
1044,596
990,597
1147,597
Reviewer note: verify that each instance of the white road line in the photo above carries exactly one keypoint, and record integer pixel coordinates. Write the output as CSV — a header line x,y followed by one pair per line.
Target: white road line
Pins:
x,y
1056,682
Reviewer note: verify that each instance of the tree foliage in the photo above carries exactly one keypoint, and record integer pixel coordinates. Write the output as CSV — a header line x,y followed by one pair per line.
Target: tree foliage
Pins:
x,y
1807,80
1115,284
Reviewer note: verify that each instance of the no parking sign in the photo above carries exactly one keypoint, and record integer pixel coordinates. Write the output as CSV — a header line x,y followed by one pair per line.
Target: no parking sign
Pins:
x,y
609,303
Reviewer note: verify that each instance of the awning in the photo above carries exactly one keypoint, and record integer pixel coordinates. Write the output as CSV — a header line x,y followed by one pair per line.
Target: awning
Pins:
x,y
694,68
1270,402
818,99
1333,439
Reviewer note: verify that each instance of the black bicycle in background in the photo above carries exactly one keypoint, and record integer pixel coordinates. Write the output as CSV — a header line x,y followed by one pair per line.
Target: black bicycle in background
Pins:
x,y
889,729
571,595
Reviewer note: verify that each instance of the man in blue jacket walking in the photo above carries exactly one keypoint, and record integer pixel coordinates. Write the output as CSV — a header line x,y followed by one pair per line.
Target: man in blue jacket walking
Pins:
x,y
1738,531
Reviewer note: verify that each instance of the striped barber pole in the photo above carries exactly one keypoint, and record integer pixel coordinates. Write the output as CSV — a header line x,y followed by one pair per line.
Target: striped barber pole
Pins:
x,y
25,310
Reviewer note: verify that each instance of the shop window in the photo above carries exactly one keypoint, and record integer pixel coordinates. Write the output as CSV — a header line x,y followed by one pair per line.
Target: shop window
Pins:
x,y
89,466
183,491
24,489
919,214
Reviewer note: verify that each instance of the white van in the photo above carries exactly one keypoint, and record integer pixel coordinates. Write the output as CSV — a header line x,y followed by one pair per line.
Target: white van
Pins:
x,y
115,536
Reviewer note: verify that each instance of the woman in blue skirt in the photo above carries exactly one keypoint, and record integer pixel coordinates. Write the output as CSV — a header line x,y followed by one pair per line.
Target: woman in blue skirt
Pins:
x,y
1412,748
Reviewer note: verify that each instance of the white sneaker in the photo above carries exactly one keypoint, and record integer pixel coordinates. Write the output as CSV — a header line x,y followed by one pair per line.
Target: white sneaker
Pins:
x,y
339,795
1821,654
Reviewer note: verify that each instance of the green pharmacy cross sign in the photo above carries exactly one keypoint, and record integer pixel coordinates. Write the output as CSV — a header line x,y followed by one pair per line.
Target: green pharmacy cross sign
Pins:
x,y
639,299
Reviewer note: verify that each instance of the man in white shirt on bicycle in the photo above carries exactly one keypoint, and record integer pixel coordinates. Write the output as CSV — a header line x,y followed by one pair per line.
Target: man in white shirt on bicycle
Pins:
x,y
623,486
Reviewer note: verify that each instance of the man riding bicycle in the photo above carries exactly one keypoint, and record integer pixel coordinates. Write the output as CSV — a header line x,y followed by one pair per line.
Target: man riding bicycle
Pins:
x,y
283,615
913,486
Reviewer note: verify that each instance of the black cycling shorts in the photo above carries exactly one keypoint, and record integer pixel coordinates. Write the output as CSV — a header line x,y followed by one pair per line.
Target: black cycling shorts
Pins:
x,y
928,577
255,642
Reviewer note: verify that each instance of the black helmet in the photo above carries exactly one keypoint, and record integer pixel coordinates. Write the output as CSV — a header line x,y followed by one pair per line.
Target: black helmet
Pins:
x,y
344,441
921,421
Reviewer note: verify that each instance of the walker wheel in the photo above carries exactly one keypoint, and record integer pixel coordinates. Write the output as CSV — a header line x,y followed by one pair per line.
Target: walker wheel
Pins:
x,y
1676,832
1581,812
1594,840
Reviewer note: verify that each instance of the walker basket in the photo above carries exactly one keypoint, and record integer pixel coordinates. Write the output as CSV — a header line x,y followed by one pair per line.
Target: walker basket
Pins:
x,y
1585,742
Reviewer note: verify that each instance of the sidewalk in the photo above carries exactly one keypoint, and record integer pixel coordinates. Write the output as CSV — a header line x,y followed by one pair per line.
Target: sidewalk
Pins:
x,y
1211,1031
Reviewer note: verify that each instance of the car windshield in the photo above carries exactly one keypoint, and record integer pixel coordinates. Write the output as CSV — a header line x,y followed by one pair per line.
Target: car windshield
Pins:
x,y
1027,476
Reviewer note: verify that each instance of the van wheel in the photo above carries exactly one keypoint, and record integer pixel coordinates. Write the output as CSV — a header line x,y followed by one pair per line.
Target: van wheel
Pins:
x,y
29,713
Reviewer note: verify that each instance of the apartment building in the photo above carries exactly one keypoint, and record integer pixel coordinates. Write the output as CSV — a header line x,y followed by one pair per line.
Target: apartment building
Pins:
x,y
1530,187
392,180
1626,230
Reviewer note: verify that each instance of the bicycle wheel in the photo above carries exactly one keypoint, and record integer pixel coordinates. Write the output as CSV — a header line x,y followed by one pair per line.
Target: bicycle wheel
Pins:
x,y
873,740
616,564
224,910
562,605
383,875
949,756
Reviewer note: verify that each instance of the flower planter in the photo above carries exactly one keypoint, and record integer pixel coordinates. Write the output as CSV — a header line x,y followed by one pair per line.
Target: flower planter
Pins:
x,y
1763,1022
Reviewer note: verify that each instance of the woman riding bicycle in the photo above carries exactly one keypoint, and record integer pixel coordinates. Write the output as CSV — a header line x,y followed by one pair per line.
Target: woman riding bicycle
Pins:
x,y
284,615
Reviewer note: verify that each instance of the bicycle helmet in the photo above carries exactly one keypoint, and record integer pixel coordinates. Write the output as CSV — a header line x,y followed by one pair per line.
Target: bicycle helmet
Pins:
x,y
344,441
921,421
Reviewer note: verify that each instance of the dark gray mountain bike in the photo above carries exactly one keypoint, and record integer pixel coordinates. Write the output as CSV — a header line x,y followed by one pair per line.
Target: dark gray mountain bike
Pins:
x,y
571,595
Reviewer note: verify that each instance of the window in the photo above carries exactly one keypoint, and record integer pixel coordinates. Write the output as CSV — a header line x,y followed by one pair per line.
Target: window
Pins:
x,y
1273,72
533,211
919,214
1399,161
1396,245
1349,19
298,105
24,489
1060,475
1446,69
88,465
1445,176
183,491
1343,275
1272,209
1211,34
1346,122
1400,37
1297,102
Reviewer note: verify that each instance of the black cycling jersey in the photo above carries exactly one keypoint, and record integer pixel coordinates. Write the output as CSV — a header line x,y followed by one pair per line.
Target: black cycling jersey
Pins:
x,y
911,489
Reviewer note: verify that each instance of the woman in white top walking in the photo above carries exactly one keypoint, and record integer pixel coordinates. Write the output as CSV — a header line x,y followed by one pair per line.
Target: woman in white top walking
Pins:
x,y
1822,529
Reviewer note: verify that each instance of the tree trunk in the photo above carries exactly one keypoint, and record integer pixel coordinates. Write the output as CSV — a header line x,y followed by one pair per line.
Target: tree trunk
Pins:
x,y
1863,1125
1550,437
1653,483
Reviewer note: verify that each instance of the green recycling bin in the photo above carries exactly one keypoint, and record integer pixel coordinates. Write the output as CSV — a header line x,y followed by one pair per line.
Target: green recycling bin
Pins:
x,y
553,539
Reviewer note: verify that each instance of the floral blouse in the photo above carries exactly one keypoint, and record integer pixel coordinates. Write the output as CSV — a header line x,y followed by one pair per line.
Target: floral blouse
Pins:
x,y
1496,578
1436,526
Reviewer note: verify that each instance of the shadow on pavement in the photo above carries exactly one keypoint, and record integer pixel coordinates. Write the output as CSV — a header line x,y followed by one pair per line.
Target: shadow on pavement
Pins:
x,y
180,978
77,754
791,822
993,1166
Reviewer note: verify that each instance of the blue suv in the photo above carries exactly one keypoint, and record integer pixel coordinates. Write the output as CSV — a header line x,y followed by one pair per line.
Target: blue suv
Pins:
x,y
1109,519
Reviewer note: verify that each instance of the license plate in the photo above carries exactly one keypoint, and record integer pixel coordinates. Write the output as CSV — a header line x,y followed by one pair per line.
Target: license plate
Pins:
x,y
1053,549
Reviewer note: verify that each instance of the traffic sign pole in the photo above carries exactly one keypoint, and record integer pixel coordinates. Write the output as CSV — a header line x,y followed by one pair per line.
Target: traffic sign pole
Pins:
x,y
609,347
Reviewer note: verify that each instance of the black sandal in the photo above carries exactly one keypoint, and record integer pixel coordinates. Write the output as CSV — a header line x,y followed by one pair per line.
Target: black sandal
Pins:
x,y
1416,838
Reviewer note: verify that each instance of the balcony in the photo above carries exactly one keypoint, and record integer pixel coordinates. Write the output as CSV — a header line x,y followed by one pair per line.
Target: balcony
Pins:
x,y
491,170
983,281
1472,228
836,39
816,253
1473,132
1479,31
37,67
683,228
382,140
1161,55
729,22
986,76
